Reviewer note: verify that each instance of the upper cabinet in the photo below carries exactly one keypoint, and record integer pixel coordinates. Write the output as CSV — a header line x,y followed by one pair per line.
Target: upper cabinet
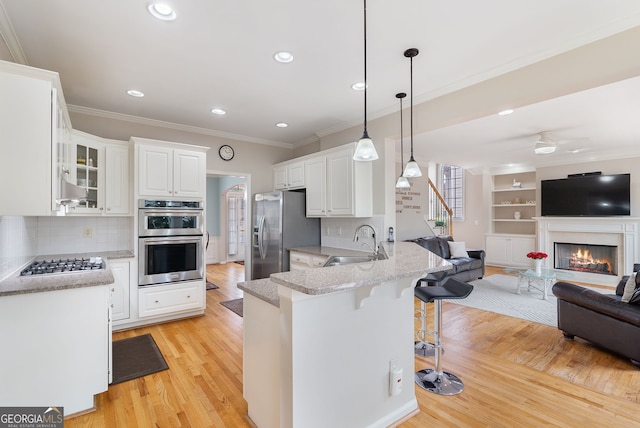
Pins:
x,y
289,175
338,186
33,117
170,169
102,168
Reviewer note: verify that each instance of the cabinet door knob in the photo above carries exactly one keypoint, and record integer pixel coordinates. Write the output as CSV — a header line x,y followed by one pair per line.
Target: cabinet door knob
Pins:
x,y
188,297
157,301
101,208
108,209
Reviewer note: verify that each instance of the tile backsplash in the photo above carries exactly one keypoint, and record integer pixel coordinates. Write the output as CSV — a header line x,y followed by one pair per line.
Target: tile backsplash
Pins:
x,y
338,232
62,235
18,242
22,238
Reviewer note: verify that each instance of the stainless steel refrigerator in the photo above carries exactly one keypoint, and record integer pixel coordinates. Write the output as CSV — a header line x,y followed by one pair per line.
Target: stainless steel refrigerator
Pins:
x,y
279,223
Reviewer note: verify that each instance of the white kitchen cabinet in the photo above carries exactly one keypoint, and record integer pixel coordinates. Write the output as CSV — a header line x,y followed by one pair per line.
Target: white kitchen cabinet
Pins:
x,y
119,290
118,184
170,171
346,190
299,260
316,180
30,105
102,167
289,176
56,347
509,250
170,299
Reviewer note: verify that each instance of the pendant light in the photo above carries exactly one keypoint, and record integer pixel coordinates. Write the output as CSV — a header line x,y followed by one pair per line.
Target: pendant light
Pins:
x,y
412,169
402,182
365,150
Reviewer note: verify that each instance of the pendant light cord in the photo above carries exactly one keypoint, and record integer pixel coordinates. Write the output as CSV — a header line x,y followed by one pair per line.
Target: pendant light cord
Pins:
x,y
400,96
411,89
365,69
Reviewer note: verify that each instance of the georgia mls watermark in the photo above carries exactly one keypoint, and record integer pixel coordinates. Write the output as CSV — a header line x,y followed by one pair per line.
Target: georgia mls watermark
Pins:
x,y
31,417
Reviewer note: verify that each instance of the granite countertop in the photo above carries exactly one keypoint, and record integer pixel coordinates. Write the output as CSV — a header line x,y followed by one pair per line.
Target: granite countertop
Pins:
x,y
406,259
318,250
264,289
16,284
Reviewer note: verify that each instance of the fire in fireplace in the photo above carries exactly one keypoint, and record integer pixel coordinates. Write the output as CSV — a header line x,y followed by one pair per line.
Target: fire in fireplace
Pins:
x,y
590,258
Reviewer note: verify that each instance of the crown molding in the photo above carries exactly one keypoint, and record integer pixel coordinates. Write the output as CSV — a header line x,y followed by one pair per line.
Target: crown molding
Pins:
x,y
174,126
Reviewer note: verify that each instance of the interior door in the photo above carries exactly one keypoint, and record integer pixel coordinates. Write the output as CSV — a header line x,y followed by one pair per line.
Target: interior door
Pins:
x,y
236,212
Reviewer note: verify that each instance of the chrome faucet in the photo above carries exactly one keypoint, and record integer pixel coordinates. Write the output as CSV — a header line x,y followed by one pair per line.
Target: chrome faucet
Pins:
x,y
373,235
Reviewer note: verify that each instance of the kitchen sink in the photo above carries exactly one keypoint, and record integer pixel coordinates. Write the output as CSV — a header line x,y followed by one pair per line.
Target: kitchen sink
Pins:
x,y
346,260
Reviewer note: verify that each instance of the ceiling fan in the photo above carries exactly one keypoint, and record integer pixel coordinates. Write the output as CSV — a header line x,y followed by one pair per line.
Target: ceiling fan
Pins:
x,y
545,144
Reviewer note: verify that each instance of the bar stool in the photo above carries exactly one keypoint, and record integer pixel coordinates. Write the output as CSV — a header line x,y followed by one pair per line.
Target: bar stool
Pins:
x,y
422,347
436,380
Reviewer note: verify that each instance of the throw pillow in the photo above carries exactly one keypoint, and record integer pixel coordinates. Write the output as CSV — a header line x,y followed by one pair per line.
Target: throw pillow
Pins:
x,y
635,298
457,249
629,288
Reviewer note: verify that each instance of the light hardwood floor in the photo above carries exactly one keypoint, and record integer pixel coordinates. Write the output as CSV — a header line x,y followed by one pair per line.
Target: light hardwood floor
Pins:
x,y
516,373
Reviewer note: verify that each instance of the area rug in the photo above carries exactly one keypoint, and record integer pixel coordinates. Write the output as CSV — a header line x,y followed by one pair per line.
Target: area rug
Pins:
x,y
211,286
135,357
497,293
235,305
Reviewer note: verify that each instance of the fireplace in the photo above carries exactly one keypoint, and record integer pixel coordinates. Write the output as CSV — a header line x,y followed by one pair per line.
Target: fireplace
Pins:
x,y
620,232
589,258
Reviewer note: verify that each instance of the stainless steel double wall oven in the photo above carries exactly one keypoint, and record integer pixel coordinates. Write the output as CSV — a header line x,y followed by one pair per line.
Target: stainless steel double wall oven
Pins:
x,y
170,241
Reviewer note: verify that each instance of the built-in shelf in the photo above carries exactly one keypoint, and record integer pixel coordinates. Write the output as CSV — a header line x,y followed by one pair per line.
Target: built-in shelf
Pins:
x,y
513,207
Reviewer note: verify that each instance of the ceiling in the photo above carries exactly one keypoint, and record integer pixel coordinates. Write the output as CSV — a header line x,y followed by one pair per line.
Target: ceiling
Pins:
x,y
220,54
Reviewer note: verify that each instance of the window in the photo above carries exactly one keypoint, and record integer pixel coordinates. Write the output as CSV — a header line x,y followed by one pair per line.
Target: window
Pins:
x,y
452,189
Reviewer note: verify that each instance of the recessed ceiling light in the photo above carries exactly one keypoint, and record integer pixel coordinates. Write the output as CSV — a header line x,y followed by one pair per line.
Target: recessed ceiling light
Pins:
x,y
218,111
505,112
282,124
161,11
135,93
283,57
358,86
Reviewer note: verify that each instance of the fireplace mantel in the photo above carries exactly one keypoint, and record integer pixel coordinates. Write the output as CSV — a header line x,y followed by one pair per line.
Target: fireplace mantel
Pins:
x,y
621,231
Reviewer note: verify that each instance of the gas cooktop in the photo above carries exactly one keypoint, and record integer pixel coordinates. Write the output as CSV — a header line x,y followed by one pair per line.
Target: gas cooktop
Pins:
x,y
63,265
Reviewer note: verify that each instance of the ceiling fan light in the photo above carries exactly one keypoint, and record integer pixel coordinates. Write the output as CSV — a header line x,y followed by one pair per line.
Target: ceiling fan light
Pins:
x,y
543,148
402,183
365,150
412,169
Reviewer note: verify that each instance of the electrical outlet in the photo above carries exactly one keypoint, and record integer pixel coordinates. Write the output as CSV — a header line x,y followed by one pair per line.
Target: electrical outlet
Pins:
x,y
87,232
395,378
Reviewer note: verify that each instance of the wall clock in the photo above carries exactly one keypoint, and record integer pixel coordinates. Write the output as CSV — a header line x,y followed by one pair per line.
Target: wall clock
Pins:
x,y
226,152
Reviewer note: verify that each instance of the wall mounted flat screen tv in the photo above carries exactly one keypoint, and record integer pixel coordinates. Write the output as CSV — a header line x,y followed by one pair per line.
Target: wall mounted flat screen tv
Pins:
x,y
588,196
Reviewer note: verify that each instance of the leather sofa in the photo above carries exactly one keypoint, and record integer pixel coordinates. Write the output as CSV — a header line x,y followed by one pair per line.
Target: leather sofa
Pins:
x,y
464,268
602,319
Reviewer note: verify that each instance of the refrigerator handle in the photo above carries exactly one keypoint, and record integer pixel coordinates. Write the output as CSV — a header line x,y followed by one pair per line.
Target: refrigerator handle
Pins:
x,y
261,229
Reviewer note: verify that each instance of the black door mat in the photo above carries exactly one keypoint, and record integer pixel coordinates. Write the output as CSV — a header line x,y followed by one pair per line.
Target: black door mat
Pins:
x,y
135,357
211,286
235,305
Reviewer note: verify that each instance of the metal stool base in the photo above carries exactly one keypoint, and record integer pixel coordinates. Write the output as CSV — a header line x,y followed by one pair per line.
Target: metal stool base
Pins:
x,y
444,383
425,349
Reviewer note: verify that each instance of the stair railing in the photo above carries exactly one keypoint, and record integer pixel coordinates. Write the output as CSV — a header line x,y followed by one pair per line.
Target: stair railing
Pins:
x,y
439,211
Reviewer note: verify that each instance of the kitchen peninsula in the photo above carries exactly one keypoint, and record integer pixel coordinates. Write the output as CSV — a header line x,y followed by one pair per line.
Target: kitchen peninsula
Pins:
x,y
320,343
